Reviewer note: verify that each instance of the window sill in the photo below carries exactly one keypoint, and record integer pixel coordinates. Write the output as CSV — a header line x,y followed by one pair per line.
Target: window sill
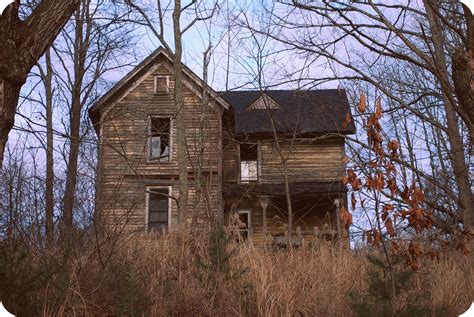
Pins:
x,y
151,162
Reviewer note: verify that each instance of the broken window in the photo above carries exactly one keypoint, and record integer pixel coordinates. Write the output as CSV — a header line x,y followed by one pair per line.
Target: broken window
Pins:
x,y
248,163
160,139
158,205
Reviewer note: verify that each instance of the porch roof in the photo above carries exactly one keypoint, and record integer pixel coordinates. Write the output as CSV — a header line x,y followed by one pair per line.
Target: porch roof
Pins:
x,y
301,188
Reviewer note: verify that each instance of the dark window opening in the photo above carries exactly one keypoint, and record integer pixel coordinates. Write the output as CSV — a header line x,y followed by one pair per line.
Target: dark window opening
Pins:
x,y
248,163
160,139
158,210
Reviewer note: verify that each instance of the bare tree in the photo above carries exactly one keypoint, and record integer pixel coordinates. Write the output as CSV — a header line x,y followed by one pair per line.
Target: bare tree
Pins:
x,y
22,43
47,77
352,39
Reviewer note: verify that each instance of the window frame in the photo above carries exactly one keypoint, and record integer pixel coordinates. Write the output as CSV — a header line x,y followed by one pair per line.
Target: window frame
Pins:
x,y
155,84
150,136
147,205
249,228
258,160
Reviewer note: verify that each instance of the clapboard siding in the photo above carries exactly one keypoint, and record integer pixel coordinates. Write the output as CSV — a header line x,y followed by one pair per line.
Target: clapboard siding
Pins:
x,y
320,160
126,172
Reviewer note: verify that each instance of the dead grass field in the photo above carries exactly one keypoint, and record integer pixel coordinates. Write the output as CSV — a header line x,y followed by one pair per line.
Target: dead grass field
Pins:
x,y
188,276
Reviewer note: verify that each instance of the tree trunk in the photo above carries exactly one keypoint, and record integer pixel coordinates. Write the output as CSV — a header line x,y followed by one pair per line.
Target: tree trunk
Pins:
x,y
180,118
49,199
463,74
461,170
9,94
80,50
22,42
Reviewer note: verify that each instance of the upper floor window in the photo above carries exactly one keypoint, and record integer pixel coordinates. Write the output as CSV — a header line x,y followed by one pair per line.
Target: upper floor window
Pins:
x,y
160,143
248,163
158,209
162,84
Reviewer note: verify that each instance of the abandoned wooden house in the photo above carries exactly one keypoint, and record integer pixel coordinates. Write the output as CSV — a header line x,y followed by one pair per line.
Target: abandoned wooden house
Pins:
x,y
243,146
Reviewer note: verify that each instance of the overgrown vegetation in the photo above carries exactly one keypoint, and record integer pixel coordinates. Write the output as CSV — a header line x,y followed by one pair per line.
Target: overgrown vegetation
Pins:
x,y
189,274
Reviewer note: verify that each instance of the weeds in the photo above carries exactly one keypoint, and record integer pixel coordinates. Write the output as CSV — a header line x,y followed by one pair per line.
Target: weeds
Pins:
x,y
211,275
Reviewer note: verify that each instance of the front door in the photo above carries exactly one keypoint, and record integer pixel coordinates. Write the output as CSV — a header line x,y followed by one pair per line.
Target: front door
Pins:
x,y
244,223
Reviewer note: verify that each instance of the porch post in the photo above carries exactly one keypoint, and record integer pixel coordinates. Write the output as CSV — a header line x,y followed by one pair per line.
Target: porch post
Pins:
x,y
338,217
264,204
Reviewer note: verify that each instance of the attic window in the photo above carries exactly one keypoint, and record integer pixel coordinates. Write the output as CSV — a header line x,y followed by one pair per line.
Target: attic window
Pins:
x,y
248,163
264,102
161,84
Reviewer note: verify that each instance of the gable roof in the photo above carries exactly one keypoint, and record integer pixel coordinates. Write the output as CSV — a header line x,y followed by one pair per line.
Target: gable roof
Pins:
x,y
306,111
263,102
139,71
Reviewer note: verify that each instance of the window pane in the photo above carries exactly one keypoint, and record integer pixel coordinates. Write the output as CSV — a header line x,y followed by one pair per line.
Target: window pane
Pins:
x,y
248,152
157,226
252,170
159,202
158,209
158,217
248,171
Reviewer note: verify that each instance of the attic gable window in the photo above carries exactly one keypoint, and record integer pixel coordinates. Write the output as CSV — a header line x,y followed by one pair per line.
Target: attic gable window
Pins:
x,y
248,163
264,102
161,84
160,140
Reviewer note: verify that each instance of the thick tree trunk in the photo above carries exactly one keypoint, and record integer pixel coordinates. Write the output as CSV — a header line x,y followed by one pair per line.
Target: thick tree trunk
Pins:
x,y
9,94
180,118
463,74
460,168
22,42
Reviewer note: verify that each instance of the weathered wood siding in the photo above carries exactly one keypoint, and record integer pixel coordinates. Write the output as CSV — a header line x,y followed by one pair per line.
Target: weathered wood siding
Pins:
x,y
125,171
319,160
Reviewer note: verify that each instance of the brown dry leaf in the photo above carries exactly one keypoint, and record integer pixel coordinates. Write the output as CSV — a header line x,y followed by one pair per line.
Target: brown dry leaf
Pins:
x,y
344,179
346,216
377,238
379,182
405,195
394,246
345,159
378,108
347,120
353,201
392,185
389,226
418,197
362,103
414,249
393,145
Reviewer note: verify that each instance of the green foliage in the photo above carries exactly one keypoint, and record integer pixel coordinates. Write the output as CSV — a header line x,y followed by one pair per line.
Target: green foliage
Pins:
x,y
215,269
217,265
379,299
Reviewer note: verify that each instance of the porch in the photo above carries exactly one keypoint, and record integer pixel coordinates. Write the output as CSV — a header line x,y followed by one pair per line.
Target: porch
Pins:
x,y
261,210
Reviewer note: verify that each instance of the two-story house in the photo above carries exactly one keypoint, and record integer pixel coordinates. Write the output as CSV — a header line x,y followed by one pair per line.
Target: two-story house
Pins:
x,y
243,147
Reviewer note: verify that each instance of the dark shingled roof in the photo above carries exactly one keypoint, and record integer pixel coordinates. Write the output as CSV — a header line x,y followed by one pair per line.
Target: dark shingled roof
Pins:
x,y
309,111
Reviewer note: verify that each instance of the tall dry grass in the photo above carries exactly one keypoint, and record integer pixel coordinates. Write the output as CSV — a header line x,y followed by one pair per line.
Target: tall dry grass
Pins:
x,y
193,275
